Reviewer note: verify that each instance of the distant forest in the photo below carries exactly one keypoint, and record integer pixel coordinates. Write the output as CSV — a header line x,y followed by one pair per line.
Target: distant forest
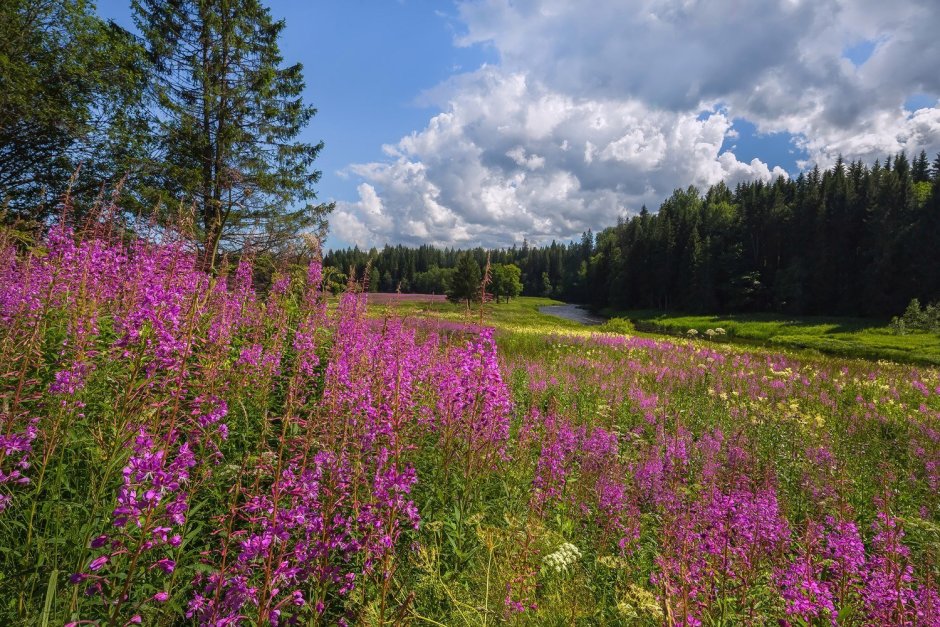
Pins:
x,y
853,240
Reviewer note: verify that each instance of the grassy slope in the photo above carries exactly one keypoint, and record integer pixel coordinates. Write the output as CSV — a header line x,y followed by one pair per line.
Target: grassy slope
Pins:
x,y
848,337
853,338
845,337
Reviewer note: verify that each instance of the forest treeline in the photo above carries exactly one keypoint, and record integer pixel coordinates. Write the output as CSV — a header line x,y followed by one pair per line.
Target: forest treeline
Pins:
x,y
853,240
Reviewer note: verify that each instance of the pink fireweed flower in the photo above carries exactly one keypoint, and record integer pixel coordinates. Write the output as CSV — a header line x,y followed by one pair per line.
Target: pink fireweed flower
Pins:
x,y
474,404
151,502
845,550
15,450
311,534
807,596
555,461
150,478
97,563
888,590
166,565
388,507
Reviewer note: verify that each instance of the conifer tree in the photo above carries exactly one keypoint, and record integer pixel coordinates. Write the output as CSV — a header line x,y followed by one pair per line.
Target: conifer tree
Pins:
x,y
230,113
921,168
465,282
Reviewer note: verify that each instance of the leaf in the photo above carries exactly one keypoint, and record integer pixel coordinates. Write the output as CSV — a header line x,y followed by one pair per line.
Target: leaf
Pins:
x,y
50,595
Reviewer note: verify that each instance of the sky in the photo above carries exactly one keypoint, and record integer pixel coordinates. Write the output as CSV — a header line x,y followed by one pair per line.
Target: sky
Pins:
x,y
487,122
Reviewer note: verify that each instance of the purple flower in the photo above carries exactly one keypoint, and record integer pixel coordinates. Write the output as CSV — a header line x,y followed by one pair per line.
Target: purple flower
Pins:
x,y
97,563
166,565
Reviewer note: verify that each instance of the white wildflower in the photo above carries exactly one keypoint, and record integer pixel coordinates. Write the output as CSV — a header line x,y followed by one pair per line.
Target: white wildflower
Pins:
x,y
564,556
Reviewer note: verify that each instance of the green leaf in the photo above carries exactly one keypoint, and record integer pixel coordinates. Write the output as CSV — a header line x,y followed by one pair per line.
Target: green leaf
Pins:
x,y
50,595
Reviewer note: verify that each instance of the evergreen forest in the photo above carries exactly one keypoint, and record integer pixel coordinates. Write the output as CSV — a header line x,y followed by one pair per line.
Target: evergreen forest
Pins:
x,y
852,240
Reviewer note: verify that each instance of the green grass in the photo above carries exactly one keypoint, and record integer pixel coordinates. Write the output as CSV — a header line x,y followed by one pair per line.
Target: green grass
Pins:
x,y
846,337
520,315
857,338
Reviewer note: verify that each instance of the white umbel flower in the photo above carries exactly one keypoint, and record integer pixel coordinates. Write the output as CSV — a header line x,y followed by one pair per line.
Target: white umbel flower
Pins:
x,y
564,557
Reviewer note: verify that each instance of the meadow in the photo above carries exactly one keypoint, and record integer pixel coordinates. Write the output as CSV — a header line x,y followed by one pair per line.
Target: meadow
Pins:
x,y
844,337
178,448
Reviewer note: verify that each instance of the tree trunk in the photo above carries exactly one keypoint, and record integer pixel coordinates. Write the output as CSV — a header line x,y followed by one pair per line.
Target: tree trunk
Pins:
x,y
211,218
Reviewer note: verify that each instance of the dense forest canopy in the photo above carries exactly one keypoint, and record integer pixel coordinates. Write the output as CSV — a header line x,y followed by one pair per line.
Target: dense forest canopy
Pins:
x,y
853,240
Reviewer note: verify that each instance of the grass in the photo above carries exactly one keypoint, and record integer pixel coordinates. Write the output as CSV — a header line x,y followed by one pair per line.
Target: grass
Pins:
x,y
845,337
786,421
856,338
520,315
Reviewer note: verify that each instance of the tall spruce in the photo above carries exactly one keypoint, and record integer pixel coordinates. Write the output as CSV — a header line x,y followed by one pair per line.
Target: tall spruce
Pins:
x,y
230,114
921,168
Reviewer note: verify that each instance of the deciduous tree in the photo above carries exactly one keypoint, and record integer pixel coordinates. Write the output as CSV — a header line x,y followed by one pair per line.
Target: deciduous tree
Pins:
x,y
70,95
507,281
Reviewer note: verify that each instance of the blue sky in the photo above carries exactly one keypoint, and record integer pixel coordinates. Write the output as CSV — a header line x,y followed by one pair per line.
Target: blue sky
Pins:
x,y
489,121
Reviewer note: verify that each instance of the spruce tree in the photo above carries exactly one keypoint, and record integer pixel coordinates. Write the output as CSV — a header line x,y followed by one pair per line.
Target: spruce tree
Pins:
x,y
465,282
230,113
921,168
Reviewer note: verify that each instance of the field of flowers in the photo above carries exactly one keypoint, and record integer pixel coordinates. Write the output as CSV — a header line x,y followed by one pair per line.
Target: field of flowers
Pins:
x,y
176,448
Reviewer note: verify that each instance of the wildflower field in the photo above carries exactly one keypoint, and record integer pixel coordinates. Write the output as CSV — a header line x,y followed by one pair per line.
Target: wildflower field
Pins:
x,y
177,448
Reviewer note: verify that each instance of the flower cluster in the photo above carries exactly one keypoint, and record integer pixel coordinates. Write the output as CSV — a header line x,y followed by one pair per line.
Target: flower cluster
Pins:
x,y
562,558
16,447
152,503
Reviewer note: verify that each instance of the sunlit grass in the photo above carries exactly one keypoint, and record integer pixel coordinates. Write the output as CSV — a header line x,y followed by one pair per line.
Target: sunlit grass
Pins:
x,y
848,337
520,315
845,337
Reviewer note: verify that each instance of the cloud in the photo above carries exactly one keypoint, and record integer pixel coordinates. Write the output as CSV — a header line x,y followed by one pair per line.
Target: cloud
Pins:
x,y
591,113
669,53
510,159
360,221
882,133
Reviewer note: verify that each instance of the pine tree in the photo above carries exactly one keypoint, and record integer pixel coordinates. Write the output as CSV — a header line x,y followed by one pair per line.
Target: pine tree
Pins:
x,y
230,113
